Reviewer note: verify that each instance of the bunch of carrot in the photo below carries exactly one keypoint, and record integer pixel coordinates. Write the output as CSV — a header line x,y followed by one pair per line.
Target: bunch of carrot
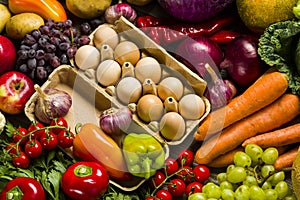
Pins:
x,y
259,115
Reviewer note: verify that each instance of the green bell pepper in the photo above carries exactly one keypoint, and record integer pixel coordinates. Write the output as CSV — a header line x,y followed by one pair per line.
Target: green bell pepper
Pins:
x,y
143,154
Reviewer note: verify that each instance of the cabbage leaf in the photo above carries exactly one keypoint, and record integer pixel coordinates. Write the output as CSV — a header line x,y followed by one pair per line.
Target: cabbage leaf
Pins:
x,y
278,47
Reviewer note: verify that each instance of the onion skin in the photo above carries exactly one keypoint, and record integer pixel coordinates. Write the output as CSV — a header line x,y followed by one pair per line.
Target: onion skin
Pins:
x,y
114,12
194,10
241,60
113,121
196,52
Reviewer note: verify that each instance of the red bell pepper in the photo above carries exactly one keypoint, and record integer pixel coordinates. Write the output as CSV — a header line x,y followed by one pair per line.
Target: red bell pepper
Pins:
x,y
224,36
85,180
23,188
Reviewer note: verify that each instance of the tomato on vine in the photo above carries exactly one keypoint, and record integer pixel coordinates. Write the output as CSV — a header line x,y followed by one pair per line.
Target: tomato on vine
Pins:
x,y
48,140
13,148
65,139
60,121
176,187
33,127
21,160
186,174
171,166
186,157
202,173
163,195
193,187
19,135
33,148
158,178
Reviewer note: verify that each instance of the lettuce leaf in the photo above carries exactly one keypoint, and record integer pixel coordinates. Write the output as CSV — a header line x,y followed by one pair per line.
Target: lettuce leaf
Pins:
x,y
277,47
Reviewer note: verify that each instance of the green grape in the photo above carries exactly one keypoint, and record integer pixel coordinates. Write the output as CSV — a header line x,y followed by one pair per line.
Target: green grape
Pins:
x,y
226,185
266,185
271,194
277,177
290,197
250,180
208,186
214,192
227,194
241,159
230,167
269,155
282,189
221,177
236,175
198,196
256,193
267,170
242,193
255,152
212,199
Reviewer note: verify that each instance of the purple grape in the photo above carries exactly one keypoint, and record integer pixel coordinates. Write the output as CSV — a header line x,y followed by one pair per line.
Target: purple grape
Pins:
x,y
71,52
31,53
40,54
23,68
28,40
36,34
65,39
54,61
41,62
22,54
85,28
67,23
55,33
24,47
50,48
83,40
64,46
55,40
96,22
35,46
44,29
48,56
31,63
64,59
41,73
50,23
43,42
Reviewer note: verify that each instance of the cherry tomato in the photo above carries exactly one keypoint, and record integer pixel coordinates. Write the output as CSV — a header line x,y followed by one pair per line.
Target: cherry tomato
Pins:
x,y
19,134
33,127
171,166
65,139
201,172
186,157
193,187
33,148
151,198
48,140
60,121
157,179
176,187
164,195
187,174
12,148
21,160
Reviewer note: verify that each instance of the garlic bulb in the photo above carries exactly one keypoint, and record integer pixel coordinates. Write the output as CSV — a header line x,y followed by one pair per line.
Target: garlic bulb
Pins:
x,y
51,103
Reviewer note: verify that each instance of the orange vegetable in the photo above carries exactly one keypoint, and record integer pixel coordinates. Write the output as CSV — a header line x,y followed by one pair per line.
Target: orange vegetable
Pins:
x,y
225,159
279,137
45,8
264,91
92,144
273,116
286,159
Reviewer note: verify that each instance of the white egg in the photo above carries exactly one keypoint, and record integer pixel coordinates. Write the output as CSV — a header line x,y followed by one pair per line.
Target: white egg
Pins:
x,y
148,67
170,87
87,57
191,106
172,126
127,51
108,72
129,90
105,35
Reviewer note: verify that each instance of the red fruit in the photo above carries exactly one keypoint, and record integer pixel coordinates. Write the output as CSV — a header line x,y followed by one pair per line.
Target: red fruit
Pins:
x,y
21,160
171,166
48,141
193,187
8,55
33,148
176,187
201,172
60,121
33,127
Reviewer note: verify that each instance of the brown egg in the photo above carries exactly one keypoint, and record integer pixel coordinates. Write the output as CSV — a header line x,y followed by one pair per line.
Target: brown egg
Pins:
x,y
127,51
170,87
105,35
87,57
172,126
191,106
150,108
129,90
148,68
108,72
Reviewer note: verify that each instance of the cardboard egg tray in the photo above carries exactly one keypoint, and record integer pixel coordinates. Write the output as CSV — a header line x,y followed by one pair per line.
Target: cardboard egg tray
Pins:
x,y
90,99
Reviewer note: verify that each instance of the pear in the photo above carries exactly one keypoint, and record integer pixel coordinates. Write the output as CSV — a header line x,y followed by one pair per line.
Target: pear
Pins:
x,y
4,16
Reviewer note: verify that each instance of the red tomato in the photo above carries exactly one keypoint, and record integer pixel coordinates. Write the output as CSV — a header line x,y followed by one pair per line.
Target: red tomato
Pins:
x,y
33,129
171,166
187,174
150,198
12,148
60,121
176,187
65,139
157,179
186,157
201,172
164,195
193,187
48,140
21,160
33,148
19,134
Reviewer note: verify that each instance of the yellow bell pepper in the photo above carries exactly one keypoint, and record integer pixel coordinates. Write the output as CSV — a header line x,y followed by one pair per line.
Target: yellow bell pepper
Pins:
x,y
47,9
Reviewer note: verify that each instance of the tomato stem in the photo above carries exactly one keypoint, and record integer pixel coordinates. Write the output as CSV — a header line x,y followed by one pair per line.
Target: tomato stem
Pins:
x,y
83,171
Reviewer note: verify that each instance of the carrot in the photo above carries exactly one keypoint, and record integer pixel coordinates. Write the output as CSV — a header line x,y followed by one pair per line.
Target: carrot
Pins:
x,y
225,159
272,116
286,159
279,137
265,90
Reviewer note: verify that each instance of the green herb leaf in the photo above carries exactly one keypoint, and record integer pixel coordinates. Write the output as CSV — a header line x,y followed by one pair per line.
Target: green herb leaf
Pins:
x,y
9,129
54,178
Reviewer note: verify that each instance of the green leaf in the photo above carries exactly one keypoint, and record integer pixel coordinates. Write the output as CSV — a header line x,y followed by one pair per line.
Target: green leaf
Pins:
x,y
59,166
54,178
46,184
50,157
9,129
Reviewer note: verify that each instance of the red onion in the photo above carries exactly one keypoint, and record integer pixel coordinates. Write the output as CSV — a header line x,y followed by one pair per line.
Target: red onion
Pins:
x,y
242,62
219,92
113,120
195,53
114,12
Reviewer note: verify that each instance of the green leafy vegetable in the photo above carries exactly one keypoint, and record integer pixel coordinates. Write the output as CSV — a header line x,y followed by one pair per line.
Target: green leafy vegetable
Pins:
x,y
278,47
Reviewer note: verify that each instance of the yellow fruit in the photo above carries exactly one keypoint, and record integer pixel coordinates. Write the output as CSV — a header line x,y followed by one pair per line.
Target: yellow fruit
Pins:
x,y
87,9
21,24
296,175
259,14
4,16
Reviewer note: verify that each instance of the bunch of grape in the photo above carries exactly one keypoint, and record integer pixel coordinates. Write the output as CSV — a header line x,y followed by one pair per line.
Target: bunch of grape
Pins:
x,y
251,177
50,46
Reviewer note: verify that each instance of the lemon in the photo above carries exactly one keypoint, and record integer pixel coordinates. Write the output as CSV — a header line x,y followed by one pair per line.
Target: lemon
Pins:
x,y
4,16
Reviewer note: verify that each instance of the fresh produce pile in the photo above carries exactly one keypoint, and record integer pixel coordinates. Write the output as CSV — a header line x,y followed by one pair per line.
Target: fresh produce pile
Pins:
x,y
246,141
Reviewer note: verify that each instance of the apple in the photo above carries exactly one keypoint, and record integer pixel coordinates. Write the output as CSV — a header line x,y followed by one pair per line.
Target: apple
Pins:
x,y
8,54
15,90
